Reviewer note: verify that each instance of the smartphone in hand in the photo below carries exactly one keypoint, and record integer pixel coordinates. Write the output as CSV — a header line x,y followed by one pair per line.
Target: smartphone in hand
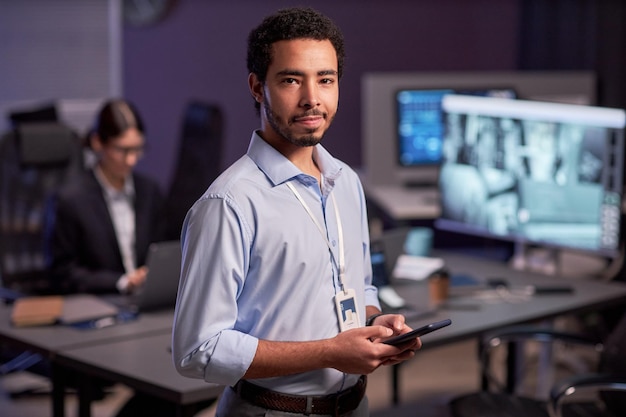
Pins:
x,y
421,331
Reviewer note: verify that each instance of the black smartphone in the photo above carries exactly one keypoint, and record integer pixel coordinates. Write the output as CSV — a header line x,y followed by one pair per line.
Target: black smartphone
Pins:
x,y
396,340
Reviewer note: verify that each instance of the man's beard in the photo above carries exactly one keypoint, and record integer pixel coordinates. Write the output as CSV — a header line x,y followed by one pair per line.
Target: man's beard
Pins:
x,y
309,139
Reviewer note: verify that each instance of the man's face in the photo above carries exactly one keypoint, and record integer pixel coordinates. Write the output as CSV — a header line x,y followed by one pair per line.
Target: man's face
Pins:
x,y
301,92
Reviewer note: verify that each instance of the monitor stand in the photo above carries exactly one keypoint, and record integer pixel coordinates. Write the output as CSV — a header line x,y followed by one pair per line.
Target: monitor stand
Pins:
x,y
535,259
419,184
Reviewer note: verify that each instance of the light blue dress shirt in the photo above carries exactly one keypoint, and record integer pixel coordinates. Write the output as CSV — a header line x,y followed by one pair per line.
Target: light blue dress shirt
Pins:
x,y
255,266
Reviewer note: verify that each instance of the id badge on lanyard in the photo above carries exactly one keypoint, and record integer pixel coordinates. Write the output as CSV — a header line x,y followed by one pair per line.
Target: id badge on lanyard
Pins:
x,y
347,310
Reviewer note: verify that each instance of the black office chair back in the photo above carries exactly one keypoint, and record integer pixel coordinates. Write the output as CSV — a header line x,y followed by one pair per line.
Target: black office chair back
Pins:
x,y
199,162
35,158
45,113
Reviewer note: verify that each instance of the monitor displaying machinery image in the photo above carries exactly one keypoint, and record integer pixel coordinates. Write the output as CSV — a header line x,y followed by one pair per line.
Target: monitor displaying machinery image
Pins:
x,y
533,172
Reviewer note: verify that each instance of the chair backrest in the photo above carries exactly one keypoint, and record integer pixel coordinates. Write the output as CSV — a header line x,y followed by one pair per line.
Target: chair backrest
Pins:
x,y
35,158
199,162
44,113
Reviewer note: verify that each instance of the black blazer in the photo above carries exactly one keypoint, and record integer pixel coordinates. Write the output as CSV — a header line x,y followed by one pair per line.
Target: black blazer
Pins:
x,y
83,252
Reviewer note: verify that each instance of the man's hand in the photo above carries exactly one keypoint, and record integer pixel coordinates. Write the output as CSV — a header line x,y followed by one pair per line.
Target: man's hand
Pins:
x,y
359,351
396,322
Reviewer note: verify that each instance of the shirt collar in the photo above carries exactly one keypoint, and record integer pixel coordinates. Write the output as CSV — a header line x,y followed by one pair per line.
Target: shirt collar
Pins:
x,y
279,169
128,190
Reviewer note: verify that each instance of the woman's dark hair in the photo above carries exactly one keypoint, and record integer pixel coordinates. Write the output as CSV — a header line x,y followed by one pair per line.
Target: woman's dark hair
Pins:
x,y
289,24
115,117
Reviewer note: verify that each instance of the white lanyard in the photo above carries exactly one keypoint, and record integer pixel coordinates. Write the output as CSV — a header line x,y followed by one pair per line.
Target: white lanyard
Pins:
x,y
340,262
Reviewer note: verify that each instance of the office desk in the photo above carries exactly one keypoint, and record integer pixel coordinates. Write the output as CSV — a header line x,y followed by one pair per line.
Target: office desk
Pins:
x,y
144,342
50,340
472,317
144,364
404,204
588,295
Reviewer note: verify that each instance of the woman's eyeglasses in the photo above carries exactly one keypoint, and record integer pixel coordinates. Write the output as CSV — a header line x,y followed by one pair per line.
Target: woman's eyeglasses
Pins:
x,y
125,151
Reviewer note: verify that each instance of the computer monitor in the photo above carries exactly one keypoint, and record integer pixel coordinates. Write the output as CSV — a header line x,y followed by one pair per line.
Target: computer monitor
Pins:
x,y
379,119
419,123
533,172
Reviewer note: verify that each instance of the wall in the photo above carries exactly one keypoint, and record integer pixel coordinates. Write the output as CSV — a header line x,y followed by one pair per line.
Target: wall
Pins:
x,y
62,52
198,52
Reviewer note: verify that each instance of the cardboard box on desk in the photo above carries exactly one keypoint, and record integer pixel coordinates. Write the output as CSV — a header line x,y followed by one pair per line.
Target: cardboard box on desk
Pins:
x,y
71,309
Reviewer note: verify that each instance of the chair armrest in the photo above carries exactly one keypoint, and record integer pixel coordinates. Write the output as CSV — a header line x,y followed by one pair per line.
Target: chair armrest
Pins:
x,y
541,334
514,334
583,385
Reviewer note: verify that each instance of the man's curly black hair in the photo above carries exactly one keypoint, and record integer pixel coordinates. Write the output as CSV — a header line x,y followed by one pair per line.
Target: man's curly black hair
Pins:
x,y
288,24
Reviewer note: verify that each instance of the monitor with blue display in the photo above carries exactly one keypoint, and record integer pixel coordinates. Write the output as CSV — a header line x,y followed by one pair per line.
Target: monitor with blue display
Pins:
x,y
419,122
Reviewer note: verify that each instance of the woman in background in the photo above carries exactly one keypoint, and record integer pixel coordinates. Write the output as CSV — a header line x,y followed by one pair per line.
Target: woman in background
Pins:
x,y
105,220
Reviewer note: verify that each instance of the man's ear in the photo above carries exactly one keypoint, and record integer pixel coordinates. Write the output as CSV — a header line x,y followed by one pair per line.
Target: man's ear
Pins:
x,y
256,87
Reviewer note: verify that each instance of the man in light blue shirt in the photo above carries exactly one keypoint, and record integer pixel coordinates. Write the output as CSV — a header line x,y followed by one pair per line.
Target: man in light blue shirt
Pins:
x,y
275,284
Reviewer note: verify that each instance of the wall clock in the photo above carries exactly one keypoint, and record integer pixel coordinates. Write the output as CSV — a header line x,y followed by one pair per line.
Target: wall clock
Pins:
x,y
146,12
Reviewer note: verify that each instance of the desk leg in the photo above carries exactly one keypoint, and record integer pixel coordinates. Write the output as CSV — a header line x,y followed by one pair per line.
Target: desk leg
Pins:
x,y
395,382
58,390
484,370
85,395
511,367
185,410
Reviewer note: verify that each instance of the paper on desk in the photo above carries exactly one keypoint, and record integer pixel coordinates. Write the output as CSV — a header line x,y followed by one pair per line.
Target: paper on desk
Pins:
x,y
416,267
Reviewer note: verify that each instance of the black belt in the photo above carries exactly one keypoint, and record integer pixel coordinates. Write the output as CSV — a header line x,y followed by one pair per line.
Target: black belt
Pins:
x,y
333,404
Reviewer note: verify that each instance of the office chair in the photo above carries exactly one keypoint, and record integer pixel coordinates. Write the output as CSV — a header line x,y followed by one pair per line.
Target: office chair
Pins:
x,y
584,394
46,112
199,162
35,158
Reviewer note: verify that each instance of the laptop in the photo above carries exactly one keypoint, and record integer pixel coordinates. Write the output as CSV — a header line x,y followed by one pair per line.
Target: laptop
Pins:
x,y
80,308
161,286
384,253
